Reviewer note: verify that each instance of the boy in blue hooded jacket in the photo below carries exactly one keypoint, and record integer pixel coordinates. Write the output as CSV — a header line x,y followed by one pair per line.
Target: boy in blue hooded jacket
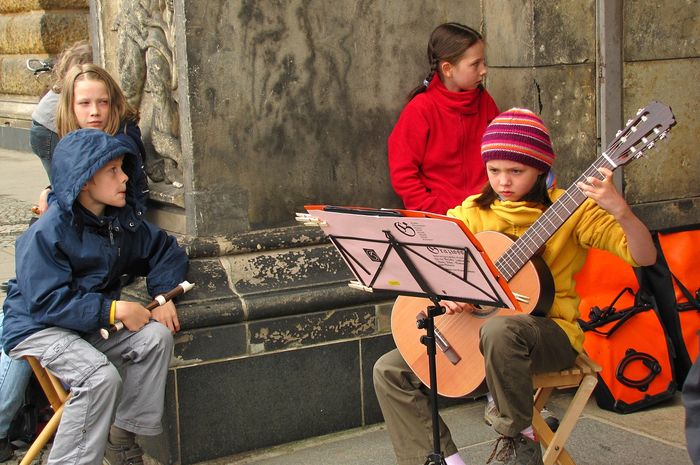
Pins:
x,y
69,266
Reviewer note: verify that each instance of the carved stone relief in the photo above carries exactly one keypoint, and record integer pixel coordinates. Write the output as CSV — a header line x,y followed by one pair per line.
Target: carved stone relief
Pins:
x,y
148,76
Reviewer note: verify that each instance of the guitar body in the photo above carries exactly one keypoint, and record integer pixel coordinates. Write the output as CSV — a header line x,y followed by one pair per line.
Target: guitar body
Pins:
x,y
533,287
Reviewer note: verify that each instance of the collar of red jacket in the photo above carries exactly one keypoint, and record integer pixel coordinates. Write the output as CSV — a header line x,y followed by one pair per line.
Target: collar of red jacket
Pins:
x,y
465,102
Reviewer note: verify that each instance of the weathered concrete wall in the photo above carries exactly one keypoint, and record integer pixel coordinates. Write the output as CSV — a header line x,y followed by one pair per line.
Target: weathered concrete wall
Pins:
x,y
295,105
288,103
662,62
542,56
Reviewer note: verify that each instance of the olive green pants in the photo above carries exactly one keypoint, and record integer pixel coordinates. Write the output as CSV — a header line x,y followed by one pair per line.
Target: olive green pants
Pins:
x,y
514,347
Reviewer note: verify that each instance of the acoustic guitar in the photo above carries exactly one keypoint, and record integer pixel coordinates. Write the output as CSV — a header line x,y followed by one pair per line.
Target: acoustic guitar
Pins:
x,y
459,363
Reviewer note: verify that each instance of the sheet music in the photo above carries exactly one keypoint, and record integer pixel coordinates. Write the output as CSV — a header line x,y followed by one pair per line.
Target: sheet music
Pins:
x,y
441,252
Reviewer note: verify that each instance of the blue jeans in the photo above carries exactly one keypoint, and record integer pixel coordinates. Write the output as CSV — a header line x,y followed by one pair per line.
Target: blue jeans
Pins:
x,y
14,377
43,142
691,402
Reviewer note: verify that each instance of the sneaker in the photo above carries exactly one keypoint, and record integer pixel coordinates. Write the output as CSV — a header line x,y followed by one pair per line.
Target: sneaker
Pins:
x,y
491,412
5,450
123,455
519,450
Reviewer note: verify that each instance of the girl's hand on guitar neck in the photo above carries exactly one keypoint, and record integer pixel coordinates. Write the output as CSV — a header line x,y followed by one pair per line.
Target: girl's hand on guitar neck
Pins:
x,y
604,193
457,307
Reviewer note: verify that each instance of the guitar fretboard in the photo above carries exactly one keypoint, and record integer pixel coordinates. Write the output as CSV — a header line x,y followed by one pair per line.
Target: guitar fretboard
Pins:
x,y
527,245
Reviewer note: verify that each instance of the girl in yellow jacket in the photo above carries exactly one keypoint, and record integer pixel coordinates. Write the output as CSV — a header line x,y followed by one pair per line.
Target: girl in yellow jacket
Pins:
x,y
518,154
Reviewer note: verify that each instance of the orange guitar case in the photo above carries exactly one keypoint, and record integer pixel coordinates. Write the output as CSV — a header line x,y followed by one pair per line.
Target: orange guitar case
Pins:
x,y
624,334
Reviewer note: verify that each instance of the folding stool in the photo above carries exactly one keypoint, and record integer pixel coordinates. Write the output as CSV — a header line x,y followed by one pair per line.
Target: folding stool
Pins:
x,y
582,375
57,397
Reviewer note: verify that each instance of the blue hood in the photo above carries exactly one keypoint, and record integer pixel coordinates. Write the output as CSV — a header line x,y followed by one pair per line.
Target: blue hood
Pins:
x,y
80,154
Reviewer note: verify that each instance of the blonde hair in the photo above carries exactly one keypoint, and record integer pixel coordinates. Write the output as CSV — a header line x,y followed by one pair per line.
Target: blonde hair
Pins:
x,y
119,108
77,54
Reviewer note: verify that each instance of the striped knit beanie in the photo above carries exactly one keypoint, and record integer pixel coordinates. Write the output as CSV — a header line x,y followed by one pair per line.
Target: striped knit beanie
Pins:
x,y
518,135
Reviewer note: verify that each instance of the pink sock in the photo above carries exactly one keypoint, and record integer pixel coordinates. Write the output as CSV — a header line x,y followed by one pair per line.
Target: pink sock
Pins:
x,y
529,433
454,459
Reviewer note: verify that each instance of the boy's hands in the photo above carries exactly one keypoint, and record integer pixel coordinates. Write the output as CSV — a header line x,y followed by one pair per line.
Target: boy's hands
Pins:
x,y
167,315
43,201
135,316
132,314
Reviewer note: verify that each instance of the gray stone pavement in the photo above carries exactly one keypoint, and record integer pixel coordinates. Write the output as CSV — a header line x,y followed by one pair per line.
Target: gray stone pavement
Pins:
x,y
22,177
654,436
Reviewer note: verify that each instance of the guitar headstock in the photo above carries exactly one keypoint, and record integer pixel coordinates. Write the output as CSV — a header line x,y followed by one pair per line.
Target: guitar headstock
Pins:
x,y
650,124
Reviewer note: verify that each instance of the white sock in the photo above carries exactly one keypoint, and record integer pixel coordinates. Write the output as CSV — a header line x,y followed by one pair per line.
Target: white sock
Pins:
x,y
528,432
489,397
454,459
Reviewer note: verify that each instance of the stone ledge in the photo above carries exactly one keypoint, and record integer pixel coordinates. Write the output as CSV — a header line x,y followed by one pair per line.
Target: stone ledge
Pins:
x,y
260,286
668,214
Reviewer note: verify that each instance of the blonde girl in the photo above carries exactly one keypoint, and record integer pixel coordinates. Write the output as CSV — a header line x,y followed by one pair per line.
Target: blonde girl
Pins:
x,y
91,98
43,135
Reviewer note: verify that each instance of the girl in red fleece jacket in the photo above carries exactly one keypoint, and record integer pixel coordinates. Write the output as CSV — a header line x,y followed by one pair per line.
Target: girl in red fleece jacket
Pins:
x,y
434,149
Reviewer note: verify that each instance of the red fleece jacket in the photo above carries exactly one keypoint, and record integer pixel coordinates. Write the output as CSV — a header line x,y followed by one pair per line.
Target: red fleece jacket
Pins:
x,y
435,147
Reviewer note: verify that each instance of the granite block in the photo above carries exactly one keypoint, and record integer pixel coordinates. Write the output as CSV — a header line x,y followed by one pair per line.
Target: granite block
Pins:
x,y
239,405
212,343
372,348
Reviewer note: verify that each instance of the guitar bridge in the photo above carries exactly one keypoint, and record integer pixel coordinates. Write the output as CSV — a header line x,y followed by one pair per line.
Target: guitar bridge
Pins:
x,y
442,343
522,298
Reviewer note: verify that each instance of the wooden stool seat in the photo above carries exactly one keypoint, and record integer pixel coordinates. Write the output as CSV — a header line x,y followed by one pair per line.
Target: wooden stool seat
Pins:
x,y
582,375
57,397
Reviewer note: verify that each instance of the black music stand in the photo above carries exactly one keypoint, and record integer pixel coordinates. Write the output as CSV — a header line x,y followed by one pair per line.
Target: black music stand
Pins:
x,y
418,254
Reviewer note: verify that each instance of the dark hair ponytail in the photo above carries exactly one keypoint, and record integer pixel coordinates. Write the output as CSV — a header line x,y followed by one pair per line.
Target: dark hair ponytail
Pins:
x,y
448,42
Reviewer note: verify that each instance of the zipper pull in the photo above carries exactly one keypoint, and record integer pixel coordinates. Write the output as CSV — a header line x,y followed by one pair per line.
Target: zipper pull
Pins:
x,y
111,235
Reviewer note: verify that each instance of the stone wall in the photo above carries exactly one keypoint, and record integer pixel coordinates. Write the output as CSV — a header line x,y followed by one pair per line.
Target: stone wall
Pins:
x,y
662,62
552,65
32,29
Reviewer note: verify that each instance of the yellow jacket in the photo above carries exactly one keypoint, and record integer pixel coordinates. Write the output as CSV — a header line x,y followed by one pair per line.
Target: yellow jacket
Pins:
x,y
565,252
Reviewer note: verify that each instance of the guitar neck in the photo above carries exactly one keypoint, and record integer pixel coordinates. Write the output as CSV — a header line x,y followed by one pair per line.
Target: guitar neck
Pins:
x,y
527,245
